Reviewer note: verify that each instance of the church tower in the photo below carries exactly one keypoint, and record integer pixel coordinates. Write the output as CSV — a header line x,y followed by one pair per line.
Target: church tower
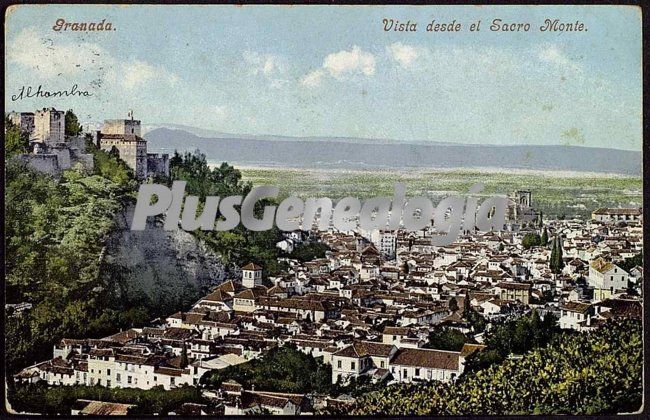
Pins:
x,y
251,275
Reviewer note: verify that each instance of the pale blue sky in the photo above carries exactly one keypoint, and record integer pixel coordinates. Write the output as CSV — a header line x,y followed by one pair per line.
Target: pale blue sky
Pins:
x,y
333,71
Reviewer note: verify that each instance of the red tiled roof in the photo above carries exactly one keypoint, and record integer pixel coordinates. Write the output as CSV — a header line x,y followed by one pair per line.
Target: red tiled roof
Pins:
x,y
435,359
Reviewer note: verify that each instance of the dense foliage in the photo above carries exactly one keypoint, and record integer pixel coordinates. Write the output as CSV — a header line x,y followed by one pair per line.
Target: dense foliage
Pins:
x,y
39,398
72,126
476,321
54,236
590,373
308,251
282,369
56,230
111,167
238,246
16,141
629,263
443,338
514,337
530,240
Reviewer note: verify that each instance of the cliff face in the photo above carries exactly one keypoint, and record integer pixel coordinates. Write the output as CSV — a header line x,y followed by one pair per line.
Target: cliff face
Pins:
x,y
162,267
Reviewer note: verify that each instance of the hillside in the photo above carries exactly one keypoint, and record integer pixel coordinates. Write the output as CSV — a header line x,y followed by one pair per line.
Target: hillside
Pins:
x,y
360,154
159,266
71,256
589,373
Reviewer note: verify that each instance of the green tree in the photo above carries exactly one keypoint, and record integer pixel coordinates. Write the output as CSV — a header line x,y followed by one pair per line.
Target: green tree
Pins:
x,y
630,263
556,262
282,369
544,240
530,240
598,372
467,306
224,180
308,251
55,233
16,141
453,304
443,338
41,398
184,359
72,127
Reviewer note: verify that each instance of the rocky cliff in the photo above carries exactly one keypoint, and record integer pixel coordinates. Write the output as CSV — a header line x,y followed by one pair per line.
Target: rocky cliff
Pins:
x,y
162,267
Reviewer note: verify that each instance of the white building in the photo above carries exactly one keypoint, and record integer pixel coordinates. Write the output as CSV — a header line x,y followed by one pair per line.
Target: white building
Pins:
x,y
606,278
359,358
617,214
575,315
251,275
412,365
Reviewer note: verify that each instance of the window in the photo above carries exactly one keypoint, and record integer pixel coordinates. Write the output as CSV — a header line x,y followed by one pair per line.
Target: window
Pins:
x,y
108,372
155,379
353,365
406,373
382,363
339,364
129,379
108,383
417,371
118,377
172,381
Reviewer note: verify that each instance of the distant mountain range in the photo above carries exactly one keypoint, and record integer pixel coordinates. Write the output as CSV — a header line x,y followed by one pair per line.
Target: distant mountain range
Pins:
x,y
213,134
353,153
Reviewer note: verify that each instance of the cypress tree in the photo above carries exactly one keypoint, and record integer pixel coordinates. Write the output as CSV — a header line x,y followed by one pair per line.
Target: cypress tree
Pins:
x,y
453,304
184,360
545,237
553,255
560,260
556,256
467,306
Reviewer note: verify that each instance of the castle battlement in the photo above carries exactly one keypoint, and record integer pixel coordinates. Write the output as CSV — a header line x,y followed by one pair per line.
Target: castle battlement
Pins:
x,y
51,151
123,136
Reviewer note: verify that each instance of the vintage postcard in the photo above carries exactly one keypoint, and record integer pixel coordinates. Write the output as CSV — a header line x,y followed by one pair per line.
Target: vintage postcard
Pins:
x,y
323,210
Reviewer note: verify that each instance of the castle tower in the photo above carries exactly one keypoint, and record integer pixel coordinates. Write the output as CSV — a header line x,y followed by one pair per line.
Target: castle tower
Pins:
x,y
251,275
49,126
524,198
124,135
127,126
24,120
